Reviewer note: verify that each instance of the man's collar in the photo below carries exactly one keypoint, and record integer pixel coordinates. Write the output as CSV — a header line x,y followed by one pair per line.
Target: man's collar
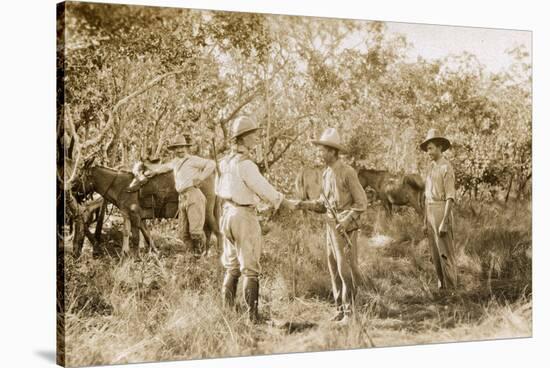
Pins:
x,y
242,149
335,164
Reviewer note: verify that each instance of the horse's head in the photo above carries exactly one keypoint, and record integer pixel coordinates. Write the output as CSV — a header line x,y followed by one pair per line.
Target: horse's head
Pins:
x,y
83,185
370,177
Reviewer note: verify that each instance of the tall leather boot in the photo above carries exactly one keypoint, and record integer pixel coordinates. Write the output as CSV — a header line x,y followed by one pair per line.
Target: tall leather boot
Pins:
x,y
251,293
198,244
229,290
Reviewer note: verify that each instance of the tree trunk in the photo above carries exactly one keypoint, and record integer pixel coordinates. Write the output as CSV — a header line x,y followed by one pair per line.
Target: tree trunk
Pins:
x,y
509,188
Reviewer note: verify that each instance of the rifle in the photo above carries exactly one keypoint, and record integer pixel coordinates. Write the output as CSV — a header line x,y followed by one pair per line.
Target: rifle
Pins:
x,y
345,235
335,216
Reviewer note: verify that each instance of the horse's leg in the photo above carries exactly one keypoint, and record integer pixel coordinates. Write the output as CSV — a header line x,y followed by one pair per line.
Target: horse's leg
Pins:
x,y
135,225
417,204
78,238
147,236
387,207
99,227
126,229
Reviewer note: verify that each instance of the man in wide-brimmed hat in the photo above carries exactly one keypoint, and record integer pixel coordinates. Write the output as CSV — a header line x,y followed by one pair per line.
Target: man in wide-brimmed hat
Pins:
x,y
241,186
438,220
343,195
189,172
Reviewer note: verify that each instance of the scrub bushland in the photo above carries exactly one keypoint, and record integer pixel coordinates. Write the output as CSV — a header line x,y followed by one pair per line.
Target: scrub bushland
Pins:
x,y
167,306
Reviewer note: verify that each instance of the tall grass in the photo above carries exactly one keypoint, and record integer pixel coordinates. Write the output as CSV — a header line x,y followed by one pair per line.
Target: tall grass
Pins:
x,y
168,307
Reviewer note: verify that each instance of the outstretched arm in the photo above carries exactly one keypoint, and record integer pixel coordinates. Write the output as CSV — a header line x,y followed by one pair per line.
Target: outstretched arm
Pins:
x,y
316,205
153,169
259,185
205,166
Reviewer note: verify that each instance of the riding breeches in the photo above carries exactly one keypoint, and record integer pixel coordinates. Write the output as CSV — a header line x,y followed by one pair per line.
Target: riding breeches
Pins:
x,y
192,207
242,240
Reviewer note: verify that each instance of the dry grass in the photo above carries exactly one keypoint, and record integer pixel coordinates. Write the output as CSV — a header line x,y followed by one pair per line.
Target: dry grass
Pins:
x,y
168,307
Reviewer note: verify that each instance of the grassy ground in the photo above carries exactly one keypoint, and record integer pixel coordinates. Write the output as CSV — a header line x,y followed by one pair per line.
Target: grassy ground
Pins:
x,y
168,307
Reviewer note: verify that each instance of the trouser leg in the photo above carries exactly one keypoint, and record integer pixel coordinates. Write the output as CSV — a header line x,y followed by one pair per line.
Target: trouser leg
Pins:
x,y
183,223
442,246
344,260
334,277
436,259
196,207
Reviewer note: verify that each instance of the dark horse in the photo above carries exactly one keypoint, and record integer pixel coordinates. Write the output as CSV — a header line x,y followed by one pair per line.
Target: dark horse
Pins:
x,y
156,199
395,189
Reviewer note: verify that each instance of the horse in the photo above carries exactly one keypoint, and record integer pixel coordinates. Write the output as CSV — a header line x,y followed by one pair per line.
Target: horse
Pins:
x,y
156,199
308,183
394,189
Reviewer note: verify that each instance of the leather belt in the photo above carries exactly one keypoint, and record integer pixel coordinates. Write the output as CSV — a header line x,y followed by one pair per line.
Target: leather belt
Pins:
x,y
229,201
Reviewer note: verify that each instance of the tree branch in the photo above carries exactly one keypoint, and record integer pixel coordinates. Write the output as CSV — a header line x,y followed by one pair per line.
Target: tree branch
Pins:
x,y
76,160
94,141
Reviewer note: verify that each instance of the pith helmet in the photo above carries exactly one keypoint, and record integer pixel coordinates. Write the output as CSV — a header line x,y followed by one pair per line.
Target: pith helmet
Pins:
x,y
242,125
179,141
330,138
434,136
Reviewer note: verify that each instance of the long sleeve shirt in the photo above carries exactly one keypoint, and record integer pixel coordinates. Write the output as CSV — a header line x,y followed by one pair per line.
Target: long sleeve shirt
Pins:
x,y
186,170
440,181
342,190
241,182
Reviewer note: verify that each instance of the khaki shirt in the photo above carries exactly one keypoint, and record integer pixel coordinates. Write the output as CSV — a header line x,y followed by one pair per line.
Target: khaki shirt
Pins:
x,y
440,181
343,191
186,169
241,182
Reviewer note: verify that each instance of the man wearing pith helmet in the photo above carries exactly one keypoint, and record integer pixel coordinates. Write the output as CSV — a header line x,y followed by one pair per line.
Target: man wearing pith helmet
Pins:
x,y
341,195
438,219
241,186
189,172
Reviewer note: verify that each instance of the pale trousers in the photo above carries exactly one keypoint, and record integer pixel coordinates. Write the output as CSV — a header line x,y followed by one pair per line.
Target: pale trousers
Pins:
x,y
442,247
192,207
242,240
342,265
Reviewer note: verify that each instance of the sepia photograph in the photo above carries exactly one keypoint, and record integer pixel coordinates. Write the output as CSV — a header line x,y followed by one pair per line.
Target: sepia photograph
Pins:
x,y
239,184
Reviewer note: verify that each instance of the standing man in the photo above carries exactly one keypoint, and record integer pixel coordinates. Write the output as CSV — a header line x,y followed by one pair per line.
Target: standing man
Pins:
x,y
189,172
342,194
241,186
438,219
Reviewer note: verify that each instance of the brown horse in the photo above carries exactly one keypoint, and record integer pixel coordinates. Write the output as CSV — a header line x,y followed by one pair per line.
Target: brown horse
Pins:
x,y
156,199
395,189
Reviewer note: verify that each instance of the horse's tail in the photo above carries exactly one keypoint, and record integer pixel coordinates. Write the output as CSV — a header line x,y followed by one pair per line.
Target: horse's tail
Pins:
x,y
415,181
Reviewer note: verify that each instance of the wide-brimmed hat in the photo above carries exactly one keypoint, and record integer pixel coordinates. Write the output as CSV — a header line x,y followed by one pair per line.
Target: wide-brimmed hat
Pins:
x,y
179,141
330,138
243,124
434,136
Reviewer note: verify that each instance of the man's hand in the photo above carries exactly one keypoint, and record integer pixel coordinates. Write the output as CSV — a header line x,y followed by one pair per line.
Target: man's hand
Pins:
x,y
291,204
343,226
443,228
